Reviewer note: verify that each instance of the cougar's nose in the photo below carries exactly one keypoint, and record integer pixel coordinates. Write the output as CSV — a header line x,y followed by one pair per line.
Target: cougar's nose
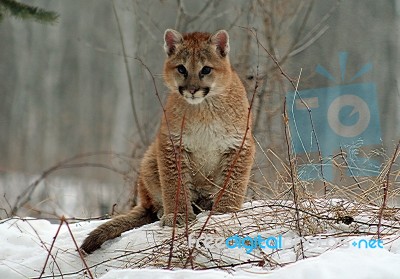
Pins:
x,y
193,89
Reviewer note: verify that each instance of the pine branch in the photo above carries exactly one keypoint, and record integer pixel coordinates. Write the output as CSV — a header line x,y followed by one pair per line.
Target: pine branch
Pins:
x,y
26,12
1,13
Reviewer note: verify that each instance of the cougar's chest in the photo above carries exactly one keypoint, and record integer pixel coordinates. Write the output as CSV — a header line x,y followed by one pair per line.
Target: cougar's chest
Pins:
x,y
207,142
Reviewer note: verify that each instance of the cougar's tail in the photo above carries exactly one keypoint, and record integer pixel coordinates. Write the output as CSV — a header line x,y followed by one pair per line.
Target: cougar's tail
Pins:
x,y
137,217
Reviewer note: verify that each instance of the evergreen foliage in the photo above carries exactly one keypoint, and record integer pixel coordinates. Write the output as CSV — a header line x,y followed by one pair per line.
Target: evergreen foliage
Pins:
x,y
26,12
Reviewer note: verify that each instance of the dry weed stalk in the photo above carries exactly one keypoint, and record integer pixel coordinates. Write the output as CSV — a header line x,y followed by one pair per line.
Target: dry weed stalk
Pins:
x,y
177,195
62,221
341,219
231,167
386,188
177,155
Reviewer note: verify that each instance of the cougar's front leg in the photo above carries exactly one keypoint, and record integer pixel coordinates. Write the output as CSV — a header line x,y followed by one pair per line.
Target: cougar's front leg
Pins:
x,y
239,175
170,178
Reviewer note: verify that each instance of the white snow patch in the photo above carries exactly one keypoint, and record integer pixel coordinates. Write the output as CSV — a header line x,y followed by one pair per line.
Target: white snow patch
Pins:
x,y
24,244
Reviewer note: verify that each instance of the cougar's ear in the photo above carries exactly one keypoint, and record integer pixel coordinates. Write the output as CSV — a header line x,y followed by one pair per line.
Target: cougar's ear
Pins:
x,y
171,39
221,40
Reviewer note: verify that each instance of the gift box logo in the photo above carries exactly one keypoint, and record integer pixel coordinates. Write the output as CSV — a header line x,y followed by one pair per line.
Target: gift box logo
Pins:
x,y
344,117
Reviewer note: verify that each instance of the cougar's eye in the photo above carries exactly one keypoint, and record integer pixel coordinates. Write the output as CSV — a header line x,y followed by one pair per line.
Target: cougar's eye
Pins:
x,y
206,70
182,70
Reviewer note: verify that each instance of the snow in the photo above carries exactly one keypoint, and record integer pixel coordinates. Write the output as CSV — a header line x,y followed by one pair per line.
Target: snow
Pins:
x,y
143,252
331,265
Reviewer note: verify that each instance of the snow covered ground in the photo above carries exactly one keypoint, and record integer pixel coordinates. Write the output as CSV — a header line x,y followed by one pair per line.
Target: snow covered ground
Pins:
x,y
143,252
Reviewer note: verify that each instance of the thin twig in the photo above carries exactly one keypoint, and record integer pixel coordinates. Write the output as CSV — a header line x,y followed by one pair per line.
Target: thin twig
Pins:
x,y
77,247
162,107
302,101
49,251
386,187
45,246
128,73
177,155
232,165
26,195
63,220
294,190
177,194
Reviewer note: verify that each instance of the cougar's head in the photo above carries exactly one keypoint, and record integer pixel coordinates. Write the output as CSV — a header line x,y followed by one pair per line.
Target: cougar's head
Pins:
x,y
197,64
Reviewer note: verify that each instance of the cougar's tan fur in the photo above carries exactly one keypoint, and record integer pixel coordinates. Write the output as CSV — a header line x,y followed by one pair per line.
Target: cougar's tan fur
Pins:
x,y
208,94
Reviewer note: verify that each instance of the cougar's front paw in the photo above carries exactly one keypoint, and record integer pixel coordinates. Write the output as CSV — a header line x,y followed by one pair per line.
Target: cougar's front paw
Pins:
x,y
168,219
225,207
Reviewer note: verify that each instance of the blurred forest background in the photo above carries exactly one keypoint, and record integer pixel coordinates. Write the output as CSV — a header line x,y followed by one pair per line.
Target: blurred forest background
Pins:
x,y
74,88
